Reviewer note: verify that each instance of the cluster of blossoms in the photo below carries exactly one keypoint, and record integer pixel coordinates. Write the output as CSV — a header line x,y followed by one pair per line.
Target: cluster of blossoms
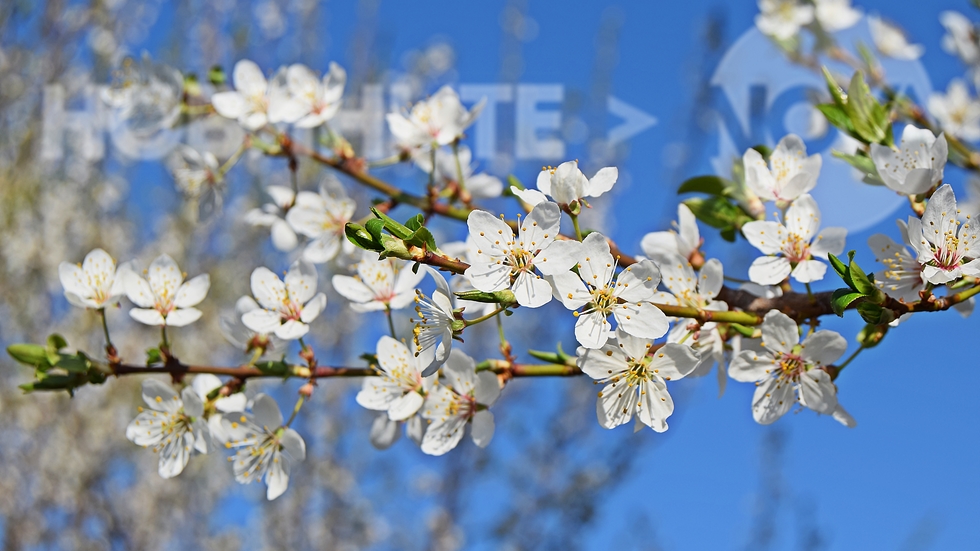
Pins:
x,y
639,322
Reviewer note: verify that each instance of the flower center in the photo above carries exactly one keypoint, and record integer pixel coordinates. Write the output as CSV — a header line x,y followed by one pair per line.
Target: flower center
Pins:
x,y
791,366
796,249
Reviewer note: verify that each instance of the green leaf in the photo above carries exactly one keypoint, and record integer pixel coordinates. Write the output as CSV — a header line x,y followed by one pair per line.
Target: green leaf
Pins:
x,y
74,363
52,382
376,228
871,335
842,298
360,237
718,212
839,267
422,238
153,356
273,368
835,91
837,116
415,222
864,110
217,75
33,355
871,313
860,280
56,342
512,181
763,150
395,228
712,185
864,164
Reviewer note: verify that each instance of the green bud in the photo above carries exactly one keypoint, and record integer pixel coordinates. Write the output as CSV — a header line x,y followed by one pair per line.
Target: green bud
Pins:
x,y
33,355
393,246
871,335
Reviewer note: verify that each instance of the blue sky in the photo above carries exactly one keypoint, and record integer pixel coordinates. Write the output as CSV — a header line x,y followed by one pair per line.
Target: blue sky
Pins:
x,y
909,468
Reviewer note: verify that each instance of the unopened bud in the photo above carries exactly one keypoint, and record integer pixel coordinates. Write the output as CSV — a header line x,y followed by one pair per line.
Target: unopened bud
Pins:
x,y
306,390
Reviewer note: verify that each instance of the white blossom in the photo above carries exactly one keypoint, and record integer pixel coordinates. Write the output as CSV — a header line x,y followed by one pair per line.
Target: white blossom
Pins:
x,y
385,432
789,174
465,250
288,306
433,333
793,249
240,336
198,176
695,291
945,251
322,217
684,242
203,385
636,379
915,165
961,37
782,19
479,186
836,15
601,292
174,426
95,283
273,215
902,277
566,184
440,120
957,112
265,448
503,262
787,366
387,284
256,101
146,97
891,40
319,100
465,401
164,298
400,388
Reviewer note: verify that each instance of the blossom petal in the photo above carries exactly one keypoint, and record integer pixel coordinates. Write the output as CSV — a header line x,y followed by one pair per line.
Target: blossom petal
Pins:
x,y
183,316
313,308
655,404
641,319
829,240
558,257
483,428
750,366
602,182
769,270
711,279
817,392
616,404
384,432
148,316
405,406
262,322
593,330
809,270
294,444
138,290
779,332
300,281
266,411
823,347
230,105
160,396
540,227
269,291
803,217
674,361
277,479
532,291
767,236
772,399
192,292
292,330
